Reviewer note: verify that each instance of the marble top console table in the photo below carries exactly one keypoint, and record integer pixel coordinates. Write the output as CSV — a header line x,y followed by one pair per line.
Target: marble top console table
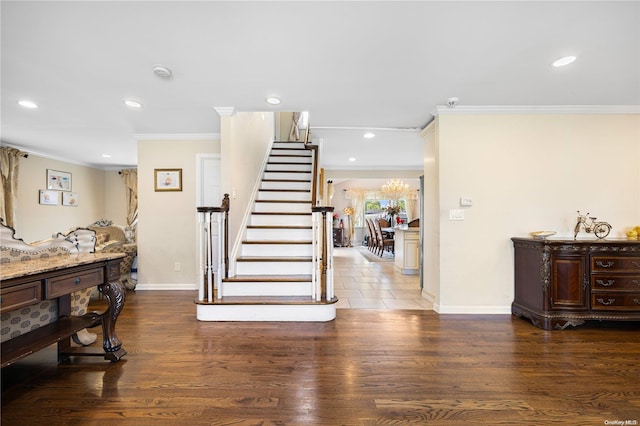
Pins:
x,y
28,282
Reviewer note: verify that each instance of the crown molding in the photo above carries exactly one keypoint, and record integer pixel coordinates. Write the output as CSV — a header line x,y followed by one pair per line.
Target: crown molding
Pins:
x,y
549,109
175,136
225,111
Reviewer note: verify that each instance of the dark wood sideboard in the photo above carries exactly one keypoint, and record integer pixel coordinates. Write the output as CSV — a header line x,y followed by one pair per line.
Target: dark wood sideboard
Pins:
x,y
26,283
562,283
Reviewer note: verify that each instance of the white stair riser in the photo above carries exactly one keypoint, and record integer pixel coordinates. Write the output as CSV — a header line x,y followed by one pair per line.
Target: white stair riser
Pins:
x,y
285,151
289,167
268,288
285,185
283,195
275,220
259,312
279,250
279,157
283,207
288,145
285,175
273,268
277,234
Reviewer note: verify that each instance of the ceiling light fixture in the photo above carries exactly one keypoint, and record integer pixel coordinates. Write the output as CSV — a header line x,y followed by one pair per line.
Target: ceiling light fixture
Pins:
x,y
566,60
352,159
28,104
369,135
273,100
162,71
106,155
132,104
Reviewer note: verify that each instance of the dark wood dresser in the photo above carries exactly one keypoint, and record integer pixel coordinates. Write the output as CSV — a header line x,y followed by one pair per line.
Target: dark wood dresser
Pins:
x,y
56,278
561,283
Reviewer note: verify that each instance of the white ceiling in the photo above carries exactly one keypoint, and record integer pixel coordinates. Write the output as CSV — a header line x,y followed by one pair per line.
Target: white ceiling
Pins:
x,y
352,65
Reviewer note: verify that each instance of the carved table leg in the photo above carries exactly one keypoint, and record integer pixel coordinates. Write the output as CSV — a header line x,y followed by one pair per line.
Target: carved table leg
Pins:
x,y
115,295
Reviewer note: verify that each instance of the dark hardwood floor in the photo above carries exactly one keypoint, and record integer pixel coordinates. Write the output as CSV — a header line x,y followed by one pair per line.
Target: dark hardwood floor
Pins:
x,y
368,367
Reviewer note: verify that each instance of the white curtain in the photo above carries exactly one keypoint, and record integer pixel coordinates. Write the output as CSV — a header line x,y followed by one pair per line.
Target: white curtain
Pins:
x,y
9,162
357,197
411,202
294,133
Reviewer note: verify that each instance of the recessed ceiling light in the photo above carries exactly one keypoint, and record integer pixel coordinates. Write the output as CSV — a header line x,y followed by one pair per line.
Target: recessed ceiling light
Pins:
x,y
369,135
273,100
563,61
27,104
352,159
106,155
132,104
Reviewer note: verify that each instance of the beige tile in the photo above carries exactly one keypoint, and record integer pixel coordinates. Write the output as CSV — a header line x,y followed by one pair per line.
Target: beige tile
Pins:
x,y
401,304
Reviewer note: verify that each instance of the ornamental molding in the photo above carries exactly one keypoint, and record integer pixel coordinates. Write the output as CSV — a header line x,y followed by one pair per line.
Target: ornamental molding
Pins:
x,y
548,109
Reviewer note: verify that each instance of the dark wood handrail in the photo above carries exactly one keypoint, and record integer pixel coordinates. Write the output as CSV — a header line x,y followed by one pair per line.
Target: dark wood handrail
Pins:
x,y
316,160
224,208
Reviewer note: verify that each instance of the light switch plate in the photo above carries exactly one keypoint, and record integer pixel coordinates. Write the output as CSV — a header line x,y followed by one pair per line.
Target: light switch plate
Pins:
x,y
466,201
456,214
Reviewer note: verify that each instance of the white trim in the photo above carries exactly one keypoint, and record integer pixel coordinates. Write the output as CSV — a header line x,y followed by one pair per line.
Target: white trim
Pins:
x,y
297,313
472,310
378,129
176,136
548,109
180,287
225,111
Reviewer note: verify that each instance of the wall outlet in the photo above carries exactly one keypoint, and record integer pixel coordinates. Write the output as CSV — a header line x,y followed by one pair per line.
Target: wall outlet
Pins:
x,y
456,214
466,201
176,266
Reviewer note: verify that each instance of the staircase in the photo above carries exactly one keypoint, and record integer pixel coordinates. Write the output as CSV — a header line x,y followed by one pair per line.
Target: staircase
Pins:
x,y
274,271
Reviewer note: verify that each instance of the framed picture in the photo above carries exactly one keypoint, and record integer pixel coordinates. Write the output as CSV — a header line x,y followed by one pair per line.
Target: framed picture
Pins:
x,y
57,180
70,199
168,179
49,198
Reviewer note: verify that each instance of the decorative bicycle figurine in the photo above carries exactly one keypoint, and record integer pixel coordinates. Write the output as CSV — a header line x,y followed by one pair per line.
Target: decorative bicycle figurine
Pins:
x,y
600,229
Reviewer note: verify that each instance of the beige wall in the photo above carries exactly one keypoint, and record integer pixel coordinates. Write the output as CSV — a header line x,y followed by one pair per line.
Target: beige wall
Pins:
x,y
96,189
245,140
525,173
167,220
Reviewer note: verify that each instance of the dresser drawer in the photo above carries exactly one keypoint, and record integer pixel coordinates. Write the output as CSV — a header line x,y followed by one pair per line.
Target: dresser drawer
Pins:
x,y
615,263
21,295
615,282
66,284
613,301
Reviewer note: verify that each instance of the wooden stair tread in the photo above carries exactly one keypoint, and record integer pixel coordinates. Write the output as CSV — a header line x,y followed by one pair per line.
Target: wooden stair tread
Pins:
x,y
288,171
266,300
284,190
274,259
282,213
279,226
287,180
269,278
276,242
285,201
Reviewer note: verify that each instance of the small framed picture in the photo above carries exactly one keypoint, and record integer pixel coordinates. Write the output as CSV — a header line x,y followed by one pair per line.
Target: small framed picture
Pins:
x,y
168,179
70,199
57,180
49,198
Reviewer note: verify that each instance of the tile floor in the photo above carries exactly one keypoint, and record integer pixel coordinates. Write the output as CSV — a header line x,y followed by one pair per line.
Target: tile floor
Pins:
x,y
364,284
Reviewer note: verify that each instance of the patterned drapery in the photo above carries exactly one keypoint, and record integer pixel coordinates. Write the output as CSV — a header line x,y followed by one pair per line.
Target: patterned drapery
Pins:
x,y
9,162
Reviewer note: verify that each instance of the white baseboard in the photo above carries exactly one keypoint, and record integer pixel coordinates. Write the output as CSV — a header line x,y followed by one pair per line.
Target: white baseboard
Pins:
x,y
166,287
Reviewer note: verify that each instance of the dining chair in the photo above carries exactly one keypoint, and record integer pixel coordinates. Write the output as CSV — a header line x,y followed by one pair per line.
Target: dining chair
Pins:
x,y
383,242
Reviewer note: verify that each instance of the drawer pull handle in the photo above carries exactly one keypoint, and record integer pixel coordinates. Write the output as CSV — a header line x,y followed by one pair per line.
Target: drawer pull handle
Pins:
x,y
602,264
635,282
608,302
76,281
636,264
636,301
605,284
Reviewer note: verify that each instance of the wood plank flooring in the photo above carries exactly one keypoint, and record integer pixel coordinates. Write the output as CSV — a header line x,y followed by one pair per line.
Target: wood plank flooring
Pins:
x,y
368,367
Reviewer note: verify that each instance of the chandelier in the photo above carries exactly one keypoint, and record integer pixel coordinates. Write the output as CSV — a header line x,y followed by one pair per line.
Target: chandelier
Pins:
x,y
394,190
